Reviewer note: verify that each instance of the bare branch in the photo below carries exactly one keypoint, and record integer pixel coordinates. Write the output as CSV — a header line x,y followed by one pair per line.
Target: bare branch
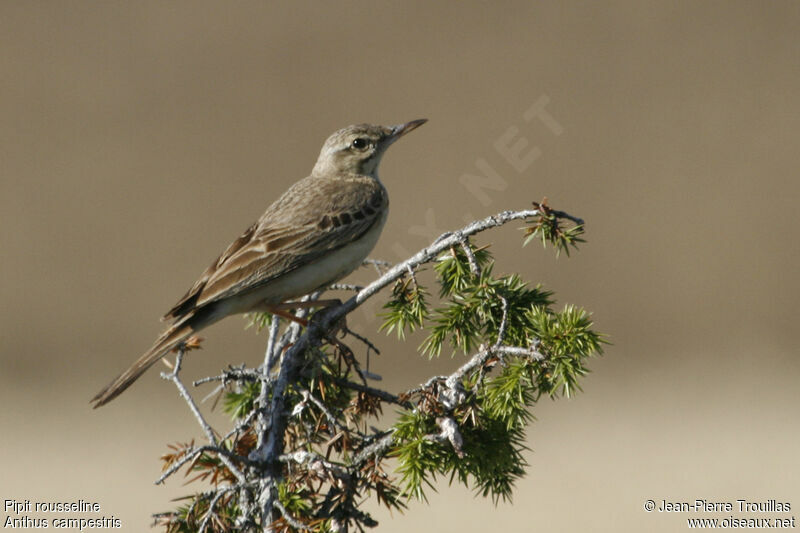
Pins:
x,y
321,406
501,332
210,511
382,394
375,449
345,287
363,339
190,455
289,518
377,263
427,254
315,462
450,433
239,373
173,376
562,214
473,262
270,355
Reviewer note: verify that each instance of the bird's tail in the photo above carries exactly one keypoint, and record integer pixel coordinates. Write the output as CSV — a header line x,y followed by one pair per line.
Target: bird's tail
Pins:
x,y
168,340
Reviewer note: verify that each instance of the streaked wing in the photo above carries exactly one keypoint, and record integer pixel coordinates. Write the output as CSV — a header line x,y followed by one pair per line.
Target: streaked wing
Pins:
x,y
311,219
187,302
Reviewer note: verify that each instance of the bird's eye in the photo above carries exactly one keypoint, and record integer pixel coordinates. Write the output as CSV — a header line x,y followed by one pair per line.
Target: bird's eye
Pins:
x,y
360,144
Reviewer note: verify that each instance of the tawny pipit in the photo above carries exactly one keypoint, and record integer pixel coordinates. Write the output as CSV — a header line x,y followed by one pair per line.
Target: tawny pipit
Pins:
x,y
319,231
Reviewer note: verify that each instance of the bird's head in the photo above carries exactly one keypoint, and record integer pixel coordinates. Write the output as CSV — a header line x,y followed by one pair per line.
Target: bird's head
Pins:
x,y
358,149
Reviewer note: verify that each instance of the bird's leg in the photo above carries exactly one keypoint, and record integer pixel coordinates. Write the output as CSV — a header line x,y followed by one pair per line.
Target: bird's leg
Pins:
x,y
341,324
287,315
306,304
282,309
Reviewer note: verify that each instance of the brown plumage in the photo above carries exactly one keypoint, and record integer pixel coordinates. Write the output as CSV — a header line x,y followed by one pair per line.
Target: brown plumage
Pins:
x,y
317,232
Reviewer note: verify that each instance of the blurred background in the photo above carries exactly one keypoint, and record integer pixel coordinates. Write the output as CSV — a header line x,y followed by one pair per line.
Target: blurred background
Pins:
x,y
138,139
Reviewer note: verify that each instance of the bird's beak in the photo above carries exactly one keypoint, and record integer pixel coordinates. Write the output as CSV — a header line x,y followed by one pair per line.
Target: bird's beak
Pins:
x,y
401,129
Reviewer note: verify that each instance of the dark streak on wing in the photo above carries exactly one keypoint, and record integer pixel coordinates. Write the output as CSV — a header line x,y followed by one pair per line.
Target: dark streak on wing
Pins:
x,y
187,302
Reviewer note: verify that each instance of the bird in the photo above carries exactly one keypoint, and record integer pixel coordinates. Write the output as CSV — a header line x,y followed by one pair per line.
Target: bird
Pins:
x,y
317,232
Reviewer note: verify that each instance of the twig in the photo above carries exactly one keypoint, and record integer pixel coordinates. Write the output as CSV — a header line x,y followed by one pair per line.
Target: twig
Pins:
x,y
532,352
173,376
562,214
427,254
375,449
190,455
382,394
363,339
270,355
473,262
321,406
484,354
243,423
289,518
450,433
428,384
501,332
377,263
214,391
312,459
232,374
211,506
413,276
344,287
